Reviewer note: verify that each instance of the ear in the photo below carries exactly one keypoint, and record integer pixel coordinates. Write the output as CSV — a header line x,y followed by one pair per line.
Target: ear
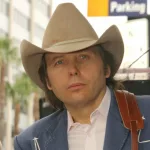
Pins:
x,y
48,84
107,72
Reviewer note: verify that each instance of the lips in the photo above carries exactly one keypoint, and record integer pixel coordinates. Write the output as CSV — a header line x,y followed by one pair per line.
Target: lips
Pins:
x,y
76,86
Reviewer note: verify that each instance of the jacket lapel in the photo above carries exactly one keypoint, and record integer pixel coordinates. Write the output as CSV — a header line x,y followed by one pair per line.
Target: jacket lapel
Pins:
x,y
55,135
59,134
115,137
116,134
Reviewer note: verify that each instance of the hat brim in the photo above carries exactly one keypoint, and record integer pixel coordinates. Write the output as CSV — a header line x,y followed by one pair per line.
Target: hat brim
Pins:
x,y
31,54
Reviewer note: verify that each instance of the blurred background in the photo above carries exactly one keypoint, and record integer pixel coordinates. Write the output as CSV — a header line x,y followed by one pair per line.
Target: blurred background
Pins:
x,y
22,102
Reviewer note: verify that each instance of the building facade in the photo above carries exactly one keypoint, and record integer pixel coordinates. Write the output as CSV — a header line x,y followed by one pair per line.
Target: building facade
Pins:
x,y
24,19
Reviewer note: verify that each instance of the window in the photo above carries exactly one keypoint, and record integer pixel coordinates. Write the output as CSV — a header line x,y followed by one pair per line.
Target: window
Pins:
x,y
3,33
21,19
43,7
4,7
39,31
16,42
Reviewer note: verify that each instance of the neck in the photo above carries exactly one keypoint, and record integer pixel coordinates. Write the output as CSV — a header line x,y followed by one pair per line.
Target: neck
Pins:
x,y
82,113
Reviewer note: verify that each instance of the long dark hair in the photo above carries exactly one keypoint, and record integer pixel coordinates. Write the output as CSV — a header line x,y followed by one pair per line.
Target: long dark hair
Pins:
x,y
107,59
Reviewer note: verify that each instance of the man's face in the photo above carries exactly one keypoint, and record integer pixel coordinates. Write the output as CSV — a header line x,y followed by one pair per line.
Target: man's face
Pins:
x,y
76,78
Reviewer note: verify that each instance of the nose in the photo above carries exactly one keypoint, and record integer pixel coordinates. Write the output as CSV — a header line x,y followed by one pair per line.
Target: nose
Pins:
x,y
73,70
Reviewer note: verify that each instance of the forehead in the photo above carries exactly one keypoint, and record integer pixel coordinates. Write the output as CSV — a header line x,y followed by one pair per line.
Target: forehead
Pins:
x,y
90,50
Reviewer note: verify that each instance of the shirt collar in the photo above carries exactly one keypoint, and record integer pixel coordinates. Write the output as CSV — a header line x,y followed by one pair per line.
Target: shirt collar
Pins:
x,y
70,120
103,108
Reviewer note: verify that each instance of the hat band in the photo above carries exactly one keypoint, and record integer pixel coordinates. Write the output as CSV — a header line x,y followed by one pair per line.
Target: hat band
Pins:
x,y
72,41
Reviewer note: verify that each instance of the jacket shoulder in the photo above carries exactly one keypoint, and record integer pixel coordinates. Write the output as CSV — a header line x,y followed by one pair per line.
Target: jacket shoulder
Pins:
x,y
36,130
144,104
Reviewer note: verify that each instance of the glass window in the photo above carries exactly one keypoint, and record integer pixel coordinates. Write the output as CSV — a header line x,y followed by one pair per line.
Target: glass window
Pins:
x,y
39,31
3,33
43,7
4,7
21,19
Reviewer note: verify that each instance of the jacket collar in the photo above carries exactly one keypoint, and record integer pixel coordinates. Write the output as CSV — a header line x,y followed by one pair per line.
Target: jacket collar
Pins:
x,y
52,133
116,134
58,134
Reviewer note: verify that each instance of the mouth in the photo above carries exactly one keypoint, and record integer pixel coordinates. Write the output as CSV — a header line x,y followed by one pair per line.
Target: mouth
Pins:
x,y
76,86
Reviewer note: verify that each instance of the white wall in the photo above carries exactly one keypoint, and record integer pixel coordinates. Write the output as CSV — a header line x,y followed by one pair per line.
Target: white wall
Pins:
x,y
37,41
3,23
47,1
19,33
23,6
40,19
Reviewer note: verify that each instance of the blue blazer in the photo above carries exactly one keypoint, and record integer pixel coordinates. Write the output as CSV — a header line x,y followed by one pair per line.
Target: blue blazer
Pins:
x,y
51,131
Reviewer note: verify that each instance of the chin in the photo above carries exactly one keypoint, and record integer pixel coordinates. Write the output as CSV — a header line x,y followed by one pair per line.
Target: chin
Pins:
x,y
78,101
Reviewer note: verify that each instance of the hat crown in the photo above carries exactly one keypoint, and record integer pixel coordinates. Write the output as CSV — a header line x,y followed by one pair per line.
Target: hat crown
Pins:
x,y
66,24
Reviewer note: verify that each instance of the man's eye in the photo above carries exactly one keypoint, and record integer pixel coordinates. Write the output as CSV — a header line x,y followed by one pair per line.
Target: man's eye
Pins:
x,y
59,62
83,56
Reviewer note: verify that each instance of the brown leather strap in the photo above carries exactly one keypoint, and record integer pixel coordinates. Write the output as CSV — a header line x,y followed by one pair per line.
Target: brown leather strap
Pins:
x,y
134,135
130,113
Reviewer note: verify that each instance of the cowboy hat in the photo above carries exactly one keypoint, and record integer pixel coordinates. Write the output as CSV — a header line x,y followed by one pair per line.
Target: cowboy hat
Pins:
x,y
69,31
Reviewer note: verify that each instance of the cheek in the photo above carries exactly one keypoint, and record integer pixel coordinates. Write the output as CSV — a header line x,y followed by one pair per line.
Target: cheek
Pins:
x,y
93,71
57,80
97,77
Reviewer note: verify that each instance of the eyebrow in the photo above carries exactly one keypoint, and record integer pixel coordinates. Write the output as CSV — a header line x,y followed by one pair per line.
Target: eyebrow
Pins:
x,y
56,57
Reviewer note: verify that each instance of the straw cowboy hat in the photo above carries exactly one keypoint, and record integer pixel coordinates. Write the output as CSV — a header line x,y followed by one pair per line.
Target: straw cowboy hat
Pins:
x,y
69,31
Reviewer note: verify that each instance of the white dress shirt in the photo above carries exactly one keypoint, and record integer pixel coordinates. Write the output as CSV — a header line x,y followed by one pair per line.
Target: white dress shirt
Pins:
x,y
90,136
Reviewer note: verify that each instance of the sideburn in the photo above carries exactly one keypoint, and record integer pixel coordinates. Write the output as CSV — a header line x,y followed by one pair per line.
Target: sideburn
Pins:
x,y
50,96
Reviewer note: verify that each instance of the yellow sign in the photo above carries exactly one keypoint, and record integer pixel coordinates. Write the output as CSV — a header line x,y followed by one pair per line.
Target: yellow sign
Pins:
x,y
98,8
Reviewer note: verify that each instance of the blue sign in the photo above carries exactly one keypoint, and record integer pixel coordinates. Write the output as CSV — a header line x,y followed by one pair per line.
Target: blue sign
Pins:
x,y
129,8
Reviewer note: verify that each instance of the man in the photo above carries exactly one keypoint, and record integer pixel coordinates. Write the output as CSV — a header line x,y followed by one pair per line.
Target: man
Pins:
x,y
75,68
